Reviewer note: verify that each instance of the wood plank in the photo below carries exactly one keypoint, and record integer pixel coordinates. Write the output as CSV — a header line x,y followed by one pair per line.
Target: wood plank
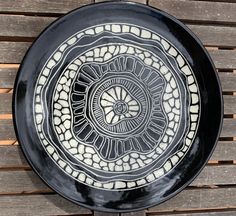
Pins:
x,y
105,214
6,105
7,77
7,131
43,6
23,26
56,205
27,182
213,35
229,128
12,156
224,59
198,10
139,213
31,26
224,151
207,213
21,182
40,205
228,81
199,199
229,104
13,52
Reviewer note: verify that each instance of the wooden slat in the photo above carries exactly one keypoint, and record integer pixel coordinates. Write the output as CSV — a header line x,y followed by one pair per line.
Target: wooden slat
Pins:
x,y
224,151
11,156
200,199
6,102
224,59
139,213
7,131
31,26
19,182
229,128
43,6
213,35
228,81
13,52
198,10
207,213
55,205
7,77
40,205
6,105
105,214
23,26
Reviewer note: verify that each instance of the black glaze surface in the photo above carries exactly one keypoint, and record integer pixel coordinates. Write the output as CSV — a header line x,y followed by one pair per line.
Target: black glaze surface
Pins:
x,y
210,118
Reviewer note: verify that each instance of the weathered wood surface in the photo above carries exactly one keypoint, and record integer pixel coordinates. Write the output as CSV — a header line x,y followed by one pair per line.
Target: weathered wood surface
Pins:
x,y
27,182
43,6
7,131
12,157
40,205
13,52
139,213
6,105
200,199
55,205
31,26
198,10
186,10
105,214
7,78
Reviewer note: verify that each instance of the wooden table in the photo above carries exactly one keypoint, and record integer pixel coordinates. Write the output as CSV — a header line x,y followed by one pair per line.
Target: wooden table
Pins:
x,y
212,193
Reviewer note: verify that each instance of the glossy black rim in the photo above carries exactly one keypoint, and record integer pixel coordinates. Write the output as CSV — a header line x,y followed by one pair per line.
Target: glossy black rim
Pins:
x,y
184,173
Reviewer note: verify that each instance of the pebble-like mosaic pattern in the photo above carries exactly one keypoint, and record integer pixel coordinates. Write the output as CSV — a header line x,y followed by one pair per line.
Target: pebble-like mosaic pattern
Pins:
x,y
77,146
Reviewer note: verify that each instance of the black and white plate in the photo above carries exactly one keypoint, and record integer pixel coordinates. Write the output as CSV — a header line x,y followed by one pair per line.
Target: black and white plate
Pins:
x,y
117,106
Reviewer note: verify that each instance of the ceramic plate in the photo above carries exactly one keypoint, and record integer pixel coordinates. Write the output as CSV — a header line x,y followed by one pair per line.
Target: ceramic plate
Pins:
x,y
117,106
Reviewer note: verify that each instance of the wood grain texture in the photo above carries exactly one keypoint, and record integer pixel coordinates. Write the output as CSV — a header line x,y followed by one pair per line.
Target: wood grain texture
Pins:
x,y
40,205
7,78
6,104
12,156
139,213
31,26
105,214
199,199
13,52
55,205
7,131
42,6
27,182
198,10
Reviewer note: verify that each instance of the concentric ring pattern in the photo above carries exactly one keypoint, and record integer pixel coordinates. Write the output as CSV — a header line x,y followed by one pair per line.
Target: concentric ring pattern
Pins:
x,y
125,109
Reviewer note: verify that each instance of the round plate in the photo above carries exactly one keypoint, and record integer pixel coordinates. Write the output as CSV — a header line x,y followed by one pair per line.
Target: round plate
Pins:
x,y
117,106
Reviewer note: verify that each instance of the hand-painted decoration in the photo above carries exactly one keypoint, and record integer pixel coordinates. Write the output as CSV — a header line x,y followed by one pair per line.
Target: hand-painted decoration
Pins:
x,y
124,111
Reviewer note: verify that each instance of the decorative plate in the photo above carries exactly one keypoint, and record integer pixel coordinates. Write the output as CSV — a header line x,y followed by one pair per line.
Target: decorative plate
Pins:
x,y
117,106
